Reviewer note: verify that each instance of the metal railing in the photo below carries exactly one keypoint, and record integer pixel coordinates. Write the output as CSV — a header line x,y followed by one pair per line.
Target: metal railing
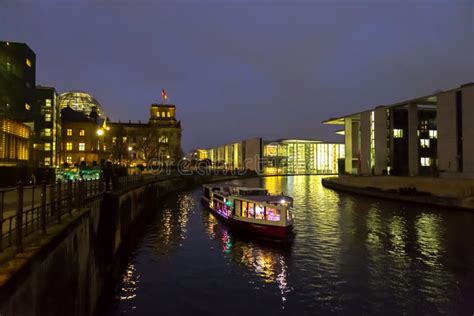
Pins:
x,y
28,209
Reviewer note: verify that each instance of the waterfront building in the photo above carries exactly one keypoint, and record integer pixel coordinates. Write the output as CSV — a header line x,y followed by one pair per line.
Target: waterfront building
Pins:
x,y
135,143
301,156
47,127
283,156
428,135
82,102
17,81
244,154
198,154
14,142
82,143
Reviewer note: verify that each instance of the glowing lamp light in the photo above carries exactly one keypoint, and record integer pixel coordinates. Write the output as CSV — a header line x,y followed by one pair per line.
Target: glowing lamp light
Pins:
x,y
167,156
282,201
130,148
100,132
228,203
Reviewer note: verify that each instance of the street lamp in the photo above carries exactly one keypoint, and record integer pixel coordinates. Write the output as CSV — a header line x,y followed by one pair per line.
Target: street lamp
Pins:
x,y
100,132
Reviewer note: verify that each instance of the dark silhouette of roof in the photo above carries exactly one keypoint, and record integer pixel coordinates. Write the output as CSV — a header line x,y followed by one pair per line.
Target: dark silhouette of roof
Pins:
x,y
69,115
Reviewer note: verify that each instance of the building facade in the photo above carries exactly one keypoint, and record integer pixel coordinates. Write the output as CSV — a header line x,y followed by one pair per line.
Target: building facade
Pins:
x,y
82,143
17,81
428,135
244,154
14,143
301,156
47,128
284,156
137,143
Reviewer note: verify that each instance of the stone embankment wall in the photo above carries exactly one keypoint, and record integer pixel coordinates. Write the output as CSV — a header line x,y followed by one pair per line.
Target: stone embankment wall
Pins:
x,y
65,273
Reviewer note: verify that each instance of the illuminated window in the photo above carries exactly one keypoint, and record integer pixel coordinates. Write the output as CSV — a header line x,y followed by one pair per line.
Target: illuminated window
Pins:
x,y
28,62
397,133
273,214
47,103
425,161
162,114
27,107
424,125
433,133
163,139
124,139
424,143
47,117
114,140
47,132
47,161
69,159
259,212
82,146
271,150
83,159
47,146
69,132
168,114
68,146
82,132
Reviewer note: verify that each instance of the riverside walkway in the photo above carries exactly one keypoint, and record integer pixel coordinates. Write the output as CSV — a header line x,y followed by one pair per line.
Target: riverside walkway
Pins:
x,y
25,210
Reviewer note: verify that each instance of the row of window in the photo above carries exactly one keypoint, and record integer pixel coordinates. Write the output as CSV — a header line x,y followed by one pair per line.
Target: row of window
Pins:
x,y
69,159
82,132
161,139
81,147
163,114
398,133
256,211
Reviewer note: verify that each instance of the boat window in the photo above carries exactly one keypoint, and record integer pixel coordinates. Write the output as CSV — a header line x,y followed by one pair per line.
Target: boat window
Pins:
x,y
244,209
251,210
273,214
259,212
238,207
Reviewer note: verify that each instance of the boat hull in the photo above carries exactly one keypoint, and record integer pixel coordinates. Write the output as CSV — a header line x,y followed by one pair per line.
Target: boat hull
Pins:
x,y
269,231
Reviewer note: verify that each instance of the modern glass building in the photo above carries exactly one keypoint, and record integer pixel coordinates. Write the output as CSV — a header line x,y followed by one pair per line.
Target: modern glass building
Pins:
x,y
81,102
427,135
14,142
47,119
17,81
284,156
301,156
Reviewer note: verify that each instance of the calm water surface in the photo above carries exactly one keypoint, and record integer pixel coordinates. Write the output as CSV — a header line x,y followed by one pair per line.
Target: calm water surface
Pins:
x,y
351,255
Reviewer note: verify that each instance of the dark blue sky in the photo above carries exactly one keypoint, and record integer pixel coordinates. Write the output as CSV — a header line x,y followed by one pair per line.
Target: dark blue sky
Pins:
x,y
239,69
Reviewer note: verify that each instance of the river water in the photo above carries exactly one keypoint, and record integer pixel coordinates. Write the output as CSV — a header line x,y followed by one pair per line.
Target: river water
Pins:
x,y
350,255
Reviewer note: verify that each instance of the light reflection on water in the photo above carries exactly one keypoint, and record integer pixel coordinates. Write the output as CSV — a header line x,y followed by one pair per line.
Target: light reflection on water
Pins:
x,y
350,254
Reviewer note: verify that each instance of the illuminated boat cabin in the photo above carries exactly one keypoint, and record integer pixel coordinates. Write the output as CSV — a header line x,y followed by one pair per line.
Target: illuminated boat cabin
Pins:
x,y
251,209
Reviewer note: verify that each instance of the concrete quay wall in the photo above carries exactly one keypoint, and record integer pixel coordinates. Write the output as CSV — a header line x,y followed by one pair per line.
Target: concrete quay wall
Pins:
x,y
458,193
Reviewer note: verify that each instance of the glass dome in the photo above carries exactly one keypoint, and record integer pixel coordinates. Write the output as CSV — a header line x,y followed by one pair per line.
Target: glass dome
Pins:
x,y
80,101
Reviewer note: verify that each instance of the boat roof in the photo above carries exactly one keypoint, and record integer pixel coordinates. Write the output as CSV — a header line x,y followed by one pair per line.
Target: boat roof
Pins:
x,y
265,198
234,186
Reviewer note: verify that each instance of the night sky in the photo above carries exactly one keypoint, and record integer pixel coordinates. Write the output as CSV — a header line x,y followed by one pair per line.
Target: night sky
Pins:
x,y
240,69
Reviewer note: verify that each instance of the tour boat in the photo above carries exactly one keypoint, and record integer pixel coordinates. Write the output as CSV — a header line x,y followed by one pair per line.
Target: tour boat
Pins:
x,y
251,209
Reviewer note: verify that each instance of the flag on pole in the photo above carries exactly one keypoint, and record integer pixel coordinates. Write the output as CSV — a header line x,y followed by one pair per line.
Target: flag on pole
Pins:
x,y
104,124
164,96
